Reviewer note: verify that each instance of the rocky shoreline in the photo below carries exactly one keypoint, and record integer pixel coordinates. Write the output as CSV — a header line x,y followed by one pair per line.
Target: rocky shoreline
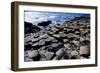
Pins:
x,y
70,40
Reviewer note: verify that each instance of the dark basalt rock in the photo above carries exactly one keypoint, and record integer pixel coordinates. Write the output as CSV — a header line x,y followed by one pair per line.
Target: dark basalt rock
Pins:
x,y
70,40
44,23
37,58
30,28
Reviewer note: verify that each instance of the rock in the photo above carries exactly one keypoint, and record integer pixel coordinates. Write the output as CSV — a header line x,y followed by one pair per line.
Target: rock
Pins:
x,y
30,28
41,42
73,53
84,51
62,34
77,43
54,45
68,52
75,57
49,39
66,56
56,36
43,48
49,55
65,40
68,40
54,41
28,47
58,26
82,57
42,53
82,39
44,36
56,58
36,35
31,53
50,33
65,29
44,23
54,29
67,45
60,52
27,59
60,44
35,44
34,40
43,59
37,58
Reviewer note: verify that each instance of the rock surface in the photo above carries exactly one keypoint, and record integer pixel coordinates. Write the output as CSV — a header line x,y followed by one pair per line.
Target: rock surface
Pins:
x,y
70,40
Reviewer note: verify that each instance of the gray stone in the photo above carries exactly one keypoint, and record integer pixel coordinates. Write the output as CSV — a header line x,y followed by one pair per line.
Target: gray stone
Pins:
x,y
65,40
42,53
54,29
41,42
76,43
55,58
49,39
73,53
35,44
82,57
62,34
27,59
54,41
44,36
54,45
36,35
43,59
67,45
49,55
56,35
31,53
60,52
43,47
84,50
